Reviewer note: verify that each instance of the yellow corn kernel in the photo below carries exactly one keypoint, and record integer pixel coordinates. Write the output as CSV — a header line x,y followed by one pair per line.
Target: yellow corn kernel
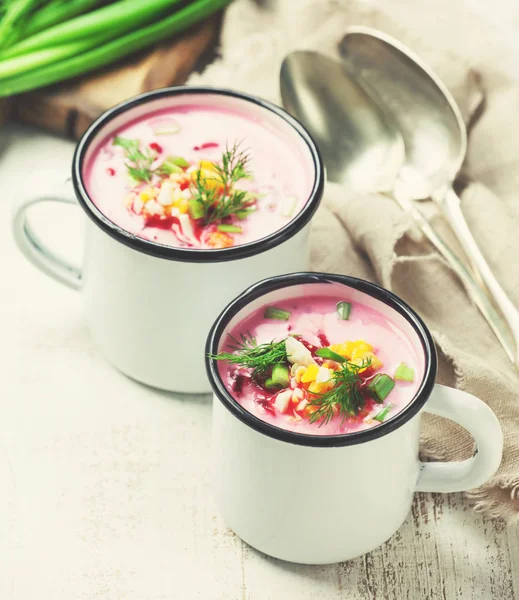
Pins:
x,y
361,345
310,373
320,388
315,388
148,194
376,363
341,349
183,206
207,164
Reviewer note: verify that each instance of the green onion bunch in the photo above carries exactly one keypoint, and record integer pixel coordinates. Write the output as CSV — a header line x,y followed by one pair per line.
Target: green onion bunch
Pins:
x,y
47,41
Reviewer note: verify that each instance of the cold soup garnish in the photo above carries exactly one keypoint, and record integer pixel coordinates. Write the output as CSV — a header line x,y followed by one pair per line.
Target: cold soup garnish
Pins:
x,y
302,365
163,179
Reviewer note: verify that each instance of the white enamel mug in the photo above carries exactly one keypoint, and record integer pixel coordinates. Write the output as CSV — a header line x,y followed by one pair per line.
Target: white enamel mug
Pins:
x,y
149,306
323,499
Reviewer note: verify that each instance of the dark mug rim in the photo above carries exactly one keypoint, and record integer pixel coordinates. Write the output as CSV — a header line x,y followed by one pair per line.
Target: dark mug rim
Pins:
x,y
192,254
323,441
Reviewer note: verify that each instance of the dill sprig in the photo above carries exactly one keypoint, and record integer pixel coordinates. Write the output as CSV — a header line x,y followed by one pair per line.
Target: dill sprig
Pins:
x,y
249,355
345,394
138,162
223,200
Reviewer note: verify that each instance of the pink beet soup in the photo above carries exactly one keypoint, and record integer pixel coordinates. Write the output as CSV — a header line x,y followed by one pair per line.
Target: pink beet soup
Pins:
x,y
200,171
322,364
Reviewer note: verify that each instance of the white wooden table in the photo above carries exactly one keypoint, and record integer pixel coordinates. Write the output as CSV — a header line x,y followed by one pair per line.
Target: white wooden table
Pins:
x,y
105,488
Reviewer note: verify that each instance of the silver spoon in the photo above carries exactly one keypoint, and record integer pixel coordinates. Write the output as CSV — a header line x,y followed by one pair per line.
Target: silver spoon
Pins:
x,y
434,134
362,147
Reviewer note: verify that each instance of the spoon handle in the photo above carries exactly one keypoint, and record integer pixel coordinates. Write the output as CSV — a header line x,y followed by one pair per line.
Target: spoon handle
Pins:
x,y
478,296
451,205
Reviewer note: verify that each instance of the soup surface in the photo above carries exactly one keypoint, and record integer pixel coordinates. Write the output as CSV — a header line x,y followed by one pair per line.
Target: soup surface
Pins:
x,y
320,365
200,176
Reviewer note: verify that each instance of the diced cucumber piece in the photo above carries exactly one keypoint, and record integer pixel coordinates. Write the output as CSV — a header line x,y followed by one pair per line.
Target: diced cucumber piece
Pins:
x,y
229,228
196,209
280,375
169,129
344,309
243,214
168,167
380,387
404,373
330,354
383,413
289,207
280,314
179,161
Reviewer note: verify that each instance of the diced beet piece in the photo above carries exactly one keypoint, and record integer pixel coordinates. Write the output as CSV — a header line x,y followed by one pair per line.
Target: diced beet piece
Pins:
x,y
323,339
161,222
308,345
156,147
268,408
206,146
238,383
184,185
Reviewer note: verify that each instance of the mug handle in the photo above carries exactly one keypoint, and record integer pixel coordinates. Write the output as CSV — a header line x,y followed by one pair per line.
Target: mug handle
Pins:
x,y
477,418
35,250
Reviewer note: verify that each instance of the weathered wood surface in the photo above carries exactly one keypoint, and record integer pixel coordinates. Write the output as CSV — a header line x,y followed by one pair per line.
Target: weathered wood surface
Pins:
x,y
105,487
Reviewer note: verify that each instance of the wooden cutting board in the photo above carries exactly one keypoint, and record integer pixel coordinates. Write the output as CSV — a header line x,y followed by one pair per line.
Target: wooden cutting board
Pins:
x,y
69,108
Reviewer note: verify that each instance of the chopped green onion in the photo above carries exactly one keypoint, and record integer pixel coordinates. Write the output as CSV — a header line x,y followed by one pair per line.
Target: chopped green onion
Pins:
x,y
380,387
119,17
289,206
243,214
383,413
330,354
229,228
280,375
168,167
11,67
270,383
179,161
404,373
196,209
54,13
120,45
280,314
344,309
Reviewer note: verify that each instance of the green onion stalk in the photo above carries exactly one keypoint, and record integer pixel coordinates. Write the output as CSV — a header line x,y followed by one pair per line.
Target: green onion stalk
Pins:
x,y
91,56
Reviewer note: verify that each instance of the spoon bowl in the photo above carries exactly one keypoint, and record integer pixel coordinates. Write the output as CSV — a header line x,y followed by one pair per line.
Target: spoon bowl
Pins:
x,y
427,115
361,147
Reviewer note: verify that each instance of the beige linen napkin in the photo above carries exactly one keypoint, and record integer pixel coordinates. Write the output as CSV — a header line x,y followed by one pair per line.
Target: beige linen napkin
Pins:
x,y
369,236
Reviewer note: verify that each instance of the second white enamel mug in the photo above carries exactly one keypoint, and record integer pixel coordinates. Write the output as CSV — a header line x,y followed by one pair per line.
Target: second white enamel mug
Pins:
x,y
324,499
149,306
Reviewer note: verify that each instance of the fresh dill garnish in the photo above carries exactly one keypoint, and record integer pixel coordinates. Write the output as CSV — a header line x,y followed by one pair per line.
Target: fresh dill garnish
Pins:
x,y
216,195
249,355
345,394
138,163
